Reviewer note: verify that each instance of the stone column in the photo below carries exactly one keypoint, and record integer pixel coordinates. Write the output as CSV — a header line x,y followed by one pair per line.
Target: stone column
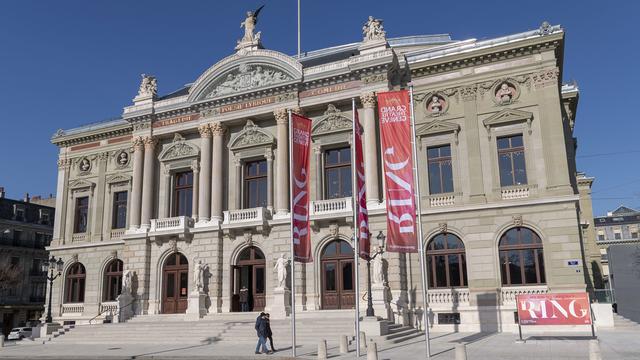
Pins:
x,y
62,196
216,171
268,154
238,184
282,161
204,194
370,148
148,184
196,190
319,170
136,186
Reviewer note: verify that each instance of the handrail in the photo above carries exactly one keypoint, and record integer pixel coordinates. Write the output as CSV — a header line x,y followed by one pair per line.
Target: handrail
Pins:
x,y
104,311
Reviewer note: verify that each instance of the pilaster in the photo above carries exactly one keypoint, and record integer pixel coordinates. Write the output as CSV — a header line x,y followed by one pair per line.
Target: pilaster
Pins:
x,y
282,162
370,148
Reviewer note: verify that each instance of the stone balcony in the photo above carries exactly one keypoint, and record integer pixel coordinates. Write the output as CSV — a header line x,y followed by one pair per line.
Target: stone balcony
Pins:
x,y
331,209
517,191
448,299
72,309
508,294
443,200
179,226
247,218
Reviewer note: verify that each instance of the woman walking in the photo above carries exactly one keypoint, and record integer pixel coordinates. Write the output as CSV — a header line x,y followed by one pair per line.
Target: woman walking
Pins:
x,y
269,333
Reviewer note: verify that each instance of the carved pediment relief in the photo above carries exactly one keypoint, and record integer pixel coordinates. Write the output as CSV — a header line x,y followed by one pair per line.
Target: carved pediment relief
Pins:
x,y
333,121
438,127
118,178
507,117
179,149
81,184
250,136
245,77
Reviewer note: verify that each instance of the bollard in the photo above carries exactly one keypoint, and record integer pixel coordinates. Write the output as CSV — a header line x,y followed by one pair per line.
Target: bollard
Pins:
x,y
594,350
344,344
322,350
363,341
1,340
461,352
372,351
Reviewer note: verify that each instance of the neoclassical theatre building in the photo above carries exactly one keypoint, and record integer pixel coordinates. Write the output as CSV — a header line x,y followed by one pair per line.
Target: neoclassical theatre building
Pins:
x,y
199,179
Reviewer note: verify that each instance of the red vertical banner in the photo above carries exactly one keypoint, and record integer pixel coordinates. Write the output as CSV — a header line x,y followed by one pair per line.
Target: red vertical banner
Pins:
x,y
300,146
394,111
364,241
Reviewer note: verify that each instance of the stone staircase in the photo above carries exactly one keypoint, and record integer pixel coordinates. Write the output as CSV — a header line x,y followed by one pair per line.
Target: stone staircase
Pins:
x,y
237,328
621,322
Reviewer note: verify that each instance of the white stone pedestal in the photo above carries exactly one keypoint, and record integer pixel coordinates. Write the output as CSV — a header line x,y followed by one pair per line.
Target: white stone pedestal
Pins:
x,y
196,305
380,300
372,326
281,304
125,307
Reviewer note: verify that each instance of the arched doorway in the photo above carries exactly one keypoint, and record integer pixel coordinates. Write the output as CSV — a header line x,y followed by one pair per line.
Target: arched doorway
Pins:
x,y
248,281
175,284
338,288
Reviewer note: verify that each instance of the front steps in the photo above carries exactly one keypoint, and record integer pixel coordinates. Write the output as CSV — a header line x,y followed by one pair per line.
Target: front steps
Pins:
x,y
621,322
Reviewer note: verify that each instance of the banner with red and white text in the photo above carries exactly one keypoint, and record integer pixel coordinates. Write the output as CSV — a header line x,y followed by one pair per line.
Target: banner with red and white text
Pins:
x,y
300,147
554,309
363,216
394,111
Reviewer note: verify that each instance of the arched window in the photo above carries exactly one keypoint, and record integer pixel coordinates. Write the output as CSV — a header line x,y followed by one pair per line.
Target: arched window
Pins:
x,y
521,259
113,280
446,262
75,280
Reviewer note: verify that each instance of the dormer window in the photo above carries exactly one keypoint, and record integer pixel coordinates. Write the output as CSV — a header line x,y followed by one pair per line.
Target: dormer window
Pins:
x,y
18,213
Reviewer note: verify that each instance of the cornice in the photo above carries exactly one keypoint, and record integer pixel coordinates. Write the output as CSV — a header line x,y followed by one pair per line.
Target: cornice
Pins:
x,y
92,135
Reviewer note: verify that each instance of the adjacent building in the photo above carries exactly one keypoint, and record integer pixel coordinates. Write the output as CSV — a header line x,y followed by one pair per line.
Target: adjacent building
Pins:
x,y
26,229
620,226
199,179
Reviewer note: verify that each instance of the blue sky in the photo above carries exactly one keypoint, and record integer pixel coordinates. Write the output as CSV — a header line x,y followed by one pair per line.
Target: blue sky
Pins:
x,y
68,63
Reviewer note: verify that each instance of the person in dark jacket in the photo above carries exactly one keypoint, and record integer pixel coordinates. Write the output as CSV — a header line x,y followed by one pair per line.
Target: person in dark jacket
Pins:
x,y
269,333
244,299
261,331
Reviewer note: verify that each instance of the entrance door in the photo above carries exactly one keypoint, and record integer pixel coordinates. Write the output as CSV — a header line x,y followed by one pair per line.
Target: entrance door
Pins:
x,y
249,273
175,280
338,288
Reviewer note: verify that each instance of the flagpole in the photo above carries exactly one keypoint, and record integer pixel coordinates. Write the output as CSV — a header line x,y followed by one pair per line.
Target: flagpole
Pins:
x,y
420,239
293,259
298,30
356,226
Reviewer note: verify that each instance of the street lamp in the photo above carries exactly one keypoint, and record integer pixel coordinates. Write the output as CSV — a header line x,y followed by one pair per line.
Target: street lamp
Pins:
x,y
378,251
51,265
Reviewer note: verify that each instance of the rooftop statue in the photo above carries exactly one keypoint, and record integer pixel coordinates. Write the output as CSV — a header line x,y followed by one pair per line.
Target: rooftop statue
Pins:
x,y
373,30
249,24
148,86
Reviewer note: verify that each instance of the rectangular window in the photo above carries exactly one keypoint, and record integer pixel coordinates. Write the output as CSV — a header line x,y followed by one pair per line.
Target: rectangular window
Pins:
x,y
255,184
448,318
440,173
44,217
601,235
617,235
17,236
82,211
119,210
183,194
511,160
19,213
337,173
39,241
35,267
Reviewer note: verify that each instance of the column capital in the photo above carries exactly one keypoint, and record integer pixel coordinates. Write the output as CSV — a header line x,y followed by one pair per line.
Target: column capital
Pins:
x,y
205,130
468,93
64,163
217,129
150,143
368,99
282,116
298,110
138,143
268,154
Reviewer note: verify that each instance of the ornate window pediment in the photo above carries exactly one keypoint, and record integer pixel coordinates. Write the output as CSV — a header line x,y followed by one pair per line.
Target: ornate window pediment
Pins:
x,y
508,117
118,178
438,127
179,149
333,121
251,136
81,184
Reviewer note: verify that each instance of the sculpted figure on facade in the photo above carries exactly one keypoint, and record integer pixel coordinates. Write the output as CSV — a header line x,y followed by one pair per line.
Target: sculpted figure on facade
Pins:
x,y
122,159
505,93
85,165
250,38
281,269
373,29
247,77
148,86
127,280
378,270
198,275
436,105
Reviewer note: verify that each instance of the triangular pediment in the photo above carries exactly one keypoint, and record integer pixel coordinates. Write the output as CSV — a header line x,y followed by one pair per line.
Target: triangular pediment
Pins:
x,y
118,178
81,184
250,136
246,73
438,127
333,121
623,210
508,116
179,149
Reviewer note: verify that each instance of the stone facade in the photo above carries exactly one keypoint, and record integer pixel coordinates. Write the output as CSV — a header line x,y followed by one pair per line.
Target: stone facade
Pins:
x,y
467,95
620,226
25,229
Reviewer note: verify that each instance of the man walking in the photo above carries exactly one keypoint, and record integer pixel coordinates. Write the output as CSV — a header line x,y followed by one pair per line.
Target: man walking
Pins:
x,y
269,333
261,331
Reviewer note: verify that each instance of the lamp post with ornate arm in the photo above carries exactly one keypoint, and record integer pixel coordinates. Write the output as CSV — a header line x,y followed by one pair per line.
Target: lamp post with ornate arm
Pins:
x,y
379,250
50,266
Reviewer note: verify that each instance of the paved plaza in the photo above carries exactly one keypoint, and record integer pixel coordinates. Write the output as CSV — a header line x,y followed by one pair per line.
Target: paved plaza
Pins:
x,y
615,345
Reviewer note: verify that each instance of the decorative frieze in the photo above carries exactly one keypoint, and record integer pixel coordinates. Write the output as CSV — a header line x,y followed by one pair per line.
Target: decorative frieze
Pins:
x,y
468,93
548,77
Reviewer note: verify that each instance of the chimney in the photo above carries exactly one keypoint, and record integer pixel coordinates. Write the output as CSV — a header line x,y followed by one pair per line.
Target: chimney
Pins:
x,y
1,192
26,197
